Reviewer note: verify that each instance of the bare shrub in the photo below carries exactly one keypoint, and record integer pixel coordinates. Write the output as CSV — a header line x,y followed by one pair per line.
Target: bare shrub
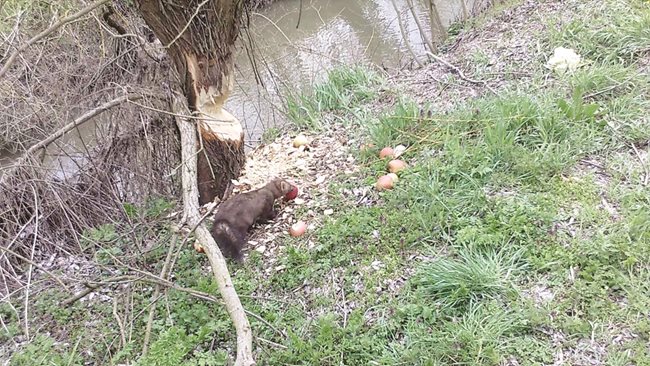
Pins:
x,y
126,154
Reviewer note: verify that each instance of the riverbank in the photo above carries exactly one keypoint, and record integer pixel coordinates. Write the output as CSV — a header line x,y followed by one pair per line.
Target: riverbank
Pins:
x,y
517,235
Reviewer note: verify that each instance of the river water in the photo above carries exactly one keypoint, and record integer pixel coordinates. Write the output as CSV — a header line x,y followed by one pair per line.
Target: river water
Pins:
x,y
296,42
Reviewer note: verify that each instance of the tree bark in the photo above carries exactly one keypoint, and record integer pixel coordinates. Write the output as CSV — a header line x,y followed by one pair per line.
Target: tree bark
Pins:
x,y
200,37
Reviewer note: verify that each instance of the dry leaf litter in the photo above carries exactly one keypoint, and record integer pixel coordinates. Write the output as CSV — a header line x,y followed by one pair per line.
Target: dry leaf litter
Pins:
x,y
310,167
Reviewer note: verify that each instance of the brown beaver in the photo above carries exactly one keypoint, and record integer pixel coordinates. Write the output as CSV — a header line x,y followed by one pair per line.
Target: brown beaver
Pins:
x,y
236,215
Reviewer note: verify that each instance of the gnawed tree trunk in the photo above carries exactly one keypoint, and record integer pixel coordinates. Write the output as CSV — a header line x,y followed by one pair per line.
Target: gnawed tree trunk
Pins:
x,y
200,36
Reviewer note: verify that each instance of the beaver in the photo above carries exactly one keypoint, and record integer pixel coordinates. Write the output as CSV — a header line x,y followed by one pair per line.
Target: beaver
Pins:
x,y
236,215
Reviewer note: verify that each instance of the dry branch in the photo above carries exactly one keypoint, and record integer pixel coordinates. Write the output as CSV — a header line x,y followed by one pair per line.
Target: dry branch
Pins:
x,y
84,118
48,31
460,72
154,297
192,217
31,262
158,281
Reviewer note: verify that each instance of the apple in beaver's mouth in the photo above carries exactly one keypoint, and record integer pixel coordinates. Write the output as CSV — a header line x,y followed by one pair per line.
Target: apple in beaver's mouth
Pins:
x,y
292,194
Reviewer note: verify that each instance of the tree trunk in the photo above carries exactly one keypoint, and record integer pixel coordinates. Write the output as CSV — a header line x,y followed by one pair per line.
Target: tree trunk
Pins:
x,y
200,37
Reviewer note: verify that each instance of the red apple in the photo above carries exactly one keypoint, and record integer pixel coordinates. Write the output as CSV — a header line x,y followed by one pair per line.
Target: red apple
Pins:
x,y
395,166
298,229
386,152
384,182
292,194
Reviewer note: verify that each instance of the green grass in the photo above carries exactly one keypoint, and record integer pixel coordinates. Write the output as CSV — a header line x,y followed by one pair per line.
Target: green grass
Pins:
x,y
469,279
344,89
498,244
613,31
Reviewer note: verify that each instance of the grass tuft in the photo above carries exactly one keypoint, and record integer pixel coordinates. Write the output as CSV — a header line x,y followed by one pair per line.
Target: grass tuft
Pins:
x,y
470,278
343,89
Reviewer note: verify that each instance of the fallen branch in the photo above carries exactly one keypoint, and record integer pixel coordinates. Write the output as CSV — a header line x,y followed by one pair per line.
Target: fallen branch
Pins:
x,y
31,262
460,73
643,166
71,300
93,286
154,297
48,31
153,279
192,216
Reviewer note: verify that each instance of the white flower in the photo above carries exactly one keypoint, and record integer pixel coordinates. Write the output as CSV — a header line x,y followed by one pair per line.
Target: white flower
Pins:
x,y
563,59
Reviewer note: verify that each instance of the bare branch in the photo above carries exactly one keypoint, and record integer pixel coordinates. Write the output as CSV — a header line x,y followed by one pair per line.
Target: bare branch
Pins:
x,y
48,31
192,217
55,277
163,275
460,72
187,25
84,118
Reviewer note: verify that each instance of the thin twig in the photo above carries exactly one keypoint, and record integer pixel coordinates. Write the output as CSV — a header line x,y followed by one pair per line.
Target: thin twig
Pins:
x,y
460,73
153,279
119,322
603,91
84,118
46,32
54,277
272,343
644,166
30,268
187,25
152,309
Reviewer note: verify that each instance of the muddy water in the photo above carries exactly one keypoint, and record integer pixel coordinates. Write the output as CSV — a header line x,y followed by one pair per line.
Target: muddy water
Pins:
x,y
294,48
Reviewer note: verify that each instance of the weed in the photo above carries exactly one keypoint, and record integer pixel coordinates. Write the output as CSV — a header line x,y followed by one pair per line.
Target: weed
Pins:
x,y
533,253
42,351
270,134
